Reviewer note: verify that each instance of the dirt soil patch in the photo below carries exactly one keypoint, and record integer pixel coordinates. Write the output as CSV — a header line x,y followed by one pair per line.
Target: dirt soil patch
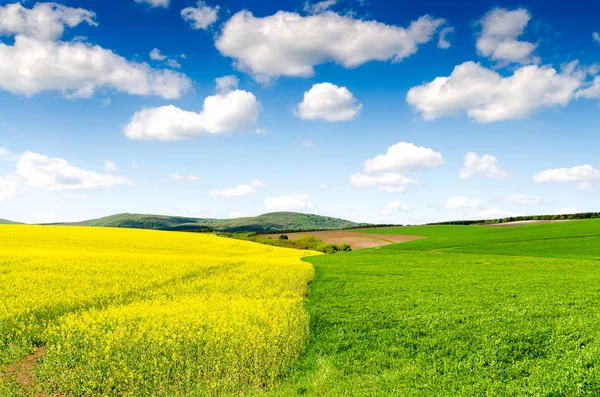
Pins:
x,y
518,223
356,240
22,372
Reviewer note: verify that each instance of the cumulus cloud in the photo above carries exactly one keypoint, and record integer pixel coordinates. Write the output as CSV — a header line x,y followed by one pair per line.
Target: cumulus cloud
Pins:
x,y
227,111
500,29
461,202
292,202
45,21
155,3
186,177
8,187
590,90
393,207
319,7
443,42
388,182
226,84
288,44
110,166
522,199
328,102
486,96
596,37
584,174
38,61
43,172
239,190
404,156
486,166
156,55
201,16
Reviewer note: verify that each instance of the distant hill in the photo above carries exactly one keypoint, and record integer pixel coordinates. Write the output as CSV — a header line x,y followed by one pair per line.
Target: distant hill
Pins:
x,y
7,222
272,222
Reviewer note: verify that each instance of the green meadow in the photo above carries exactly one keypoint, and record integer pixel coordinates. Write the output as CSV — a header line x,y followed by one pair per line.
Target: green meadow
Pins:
x,y
467,311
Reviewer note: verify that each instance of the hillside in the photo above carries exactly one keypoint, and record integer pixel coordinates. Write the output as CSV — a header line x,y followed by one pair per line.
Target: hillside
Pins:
x,y
6,222
272,222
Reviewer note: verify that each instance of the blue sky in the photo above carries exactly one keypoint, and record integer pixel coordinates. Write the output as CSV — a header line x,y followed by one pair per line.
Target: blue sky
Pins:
x,y
341,108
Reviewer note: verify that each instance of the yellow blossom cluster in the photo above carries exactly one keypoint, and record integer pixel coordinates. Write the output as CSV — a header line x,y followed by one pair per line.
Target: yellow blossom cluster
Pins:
x,y
148,313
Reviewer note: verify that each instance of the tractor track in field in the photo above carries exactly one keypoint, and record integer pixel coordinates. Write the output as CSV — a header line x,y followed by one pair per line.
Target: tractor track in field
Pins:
x,y
22,372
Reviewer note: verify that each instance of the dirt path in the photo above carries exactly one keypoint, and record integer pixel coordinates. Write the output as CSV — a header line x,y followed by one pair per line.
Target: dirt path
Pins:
x,y
22,372
356,240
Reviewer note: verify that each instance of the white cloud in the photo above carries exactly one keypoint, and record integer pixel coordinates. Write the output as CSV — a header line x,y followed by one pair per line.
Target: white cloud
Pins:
x,y
292,202
43,172
110,166
173,64
395,205
328,102
323,186
187,177
155,3
443,42
584,186
591,90
498,38
224,112
134,165
238,191
226,84
404,156
494,213
156,55
4,152
567,211
319,7
388,182
288,44
580,173
522,199
486,166
596,37
461,202
486,96
201,16
257,183
45,21
308,144
8,187
38,61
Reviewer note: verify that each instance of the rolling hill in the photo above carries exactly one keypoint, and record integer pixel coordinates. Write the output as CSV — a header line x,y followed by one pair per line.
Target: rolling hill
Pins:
x,y
272,222
6,222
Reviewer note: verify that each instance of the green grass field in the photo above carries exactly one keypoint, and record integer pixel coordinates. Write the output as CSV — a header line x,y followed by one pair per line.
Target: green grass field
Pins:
x,y
469,311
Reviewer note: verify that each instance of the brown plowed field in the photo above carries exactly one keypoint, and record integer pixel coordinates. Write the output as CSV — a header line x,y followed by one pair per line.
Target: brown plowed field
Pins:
x,y
356,240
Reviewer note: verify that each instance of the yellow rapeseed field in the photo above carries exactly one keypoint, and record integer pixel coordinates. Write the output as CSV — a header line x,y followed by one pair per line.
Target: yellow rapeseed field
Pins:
x,y
146,313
